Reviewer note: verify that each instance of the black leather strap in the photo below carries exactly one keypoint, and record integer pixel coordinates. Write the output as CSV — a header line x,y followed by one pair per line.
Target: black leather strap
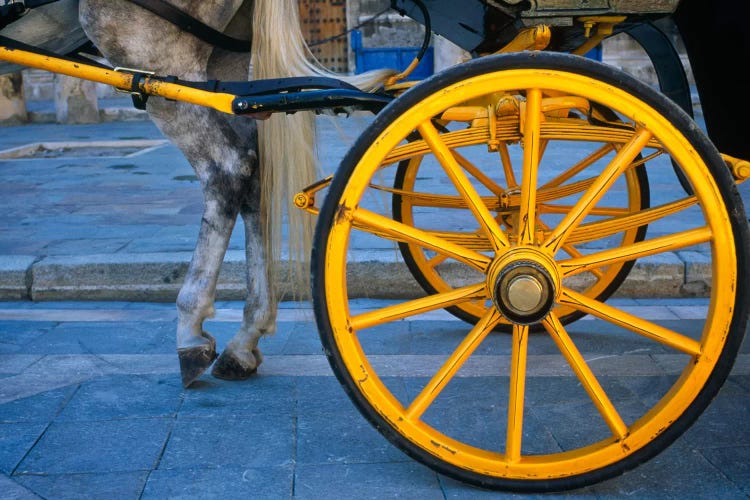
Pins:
x,y
32,4
15,44
193,26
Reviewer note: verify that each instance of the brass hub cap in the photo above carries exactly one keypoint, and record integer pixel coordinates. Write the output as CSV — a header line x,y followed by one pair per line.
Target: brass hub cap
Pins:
x,y
524,292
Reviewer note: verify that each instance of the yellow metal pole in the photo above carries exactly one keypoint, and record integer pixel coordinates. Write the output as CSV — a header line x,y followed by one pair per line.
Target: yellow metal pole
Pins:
x,y
120,79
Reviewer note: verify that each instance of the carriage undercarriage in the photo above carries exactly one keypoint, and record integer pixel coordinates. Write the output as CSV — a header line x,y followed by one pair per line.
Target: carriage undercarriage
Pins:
x,y
543,207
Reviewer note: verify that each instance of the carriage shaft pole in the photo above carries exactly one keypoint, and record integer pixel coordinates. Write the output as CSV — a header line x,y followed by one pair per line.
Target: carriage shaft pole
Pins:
x,y
123,80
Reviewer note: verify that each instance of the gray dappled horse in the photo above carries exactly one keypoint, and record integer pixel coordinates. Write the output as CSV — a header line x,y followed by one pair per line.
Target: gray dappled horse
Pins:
x,y
242,170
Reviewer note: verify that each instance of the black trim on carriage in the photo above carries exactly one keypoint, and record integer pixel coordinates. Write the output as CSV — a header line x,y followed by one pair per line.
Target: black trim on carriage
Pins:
x,y
303,93
337,100
269,86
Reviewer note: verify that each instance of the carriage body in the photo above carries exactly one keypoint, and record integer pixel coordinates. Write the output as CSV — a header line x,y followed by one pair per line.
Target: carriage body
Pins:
x,y
482,26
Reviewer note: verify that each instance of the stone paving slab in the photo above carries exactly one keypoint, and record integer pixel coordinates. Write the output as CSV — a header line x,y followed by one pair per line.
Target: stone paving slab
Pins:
x,y
83,414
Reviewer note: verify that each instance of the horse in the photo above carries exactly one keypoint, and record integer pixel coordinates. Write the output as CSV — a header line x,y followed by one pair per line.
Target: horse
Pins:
x,y
246,165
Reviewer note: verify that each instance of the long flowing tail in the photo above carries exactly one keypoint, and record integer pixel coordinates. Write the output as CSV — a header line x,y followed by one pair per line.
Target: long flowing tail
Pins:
x,y
287,142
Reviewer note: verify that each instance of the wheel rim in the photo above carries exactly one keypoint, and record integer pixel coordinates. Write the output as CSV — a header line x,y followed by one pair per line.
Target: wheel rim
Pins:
x,y
512,462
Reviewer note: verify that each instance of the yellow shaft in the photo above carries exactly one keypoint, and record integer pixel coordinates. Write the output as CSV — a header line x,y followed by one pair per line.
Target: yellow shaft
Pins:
x,y
120,79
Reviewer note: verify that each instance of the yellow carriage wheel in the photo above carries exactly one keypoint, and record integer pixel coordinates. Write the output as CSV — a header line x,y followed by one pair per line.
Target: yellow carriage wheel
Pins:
x,y
412,194
578,403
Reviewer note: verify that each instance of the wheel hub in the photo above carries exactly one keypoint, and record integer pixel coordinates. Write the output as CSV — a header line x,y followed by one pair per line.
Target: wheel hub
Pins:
x,y
524,291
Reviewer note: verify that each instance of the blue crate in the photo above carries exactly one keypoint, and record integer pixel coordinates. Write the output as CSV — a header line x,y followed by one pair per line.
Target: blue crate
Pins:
x,y
595,53
397,58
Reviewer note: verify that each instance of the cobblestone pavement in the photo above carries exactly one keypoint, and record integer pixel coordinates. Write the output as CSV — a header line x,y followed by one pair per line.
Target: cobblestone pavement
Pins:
x,y
91,406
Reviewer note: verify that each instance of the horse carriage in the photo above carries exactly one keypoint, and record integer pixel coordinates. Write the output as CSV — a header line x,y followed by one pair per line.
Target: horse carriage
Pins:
x,y
516,188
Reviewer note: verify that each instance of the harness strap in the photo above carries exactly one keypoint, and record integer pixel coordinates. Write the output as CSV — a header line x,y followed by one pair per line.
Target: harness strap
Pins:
x,y
15,44
32,4
13,10
193,26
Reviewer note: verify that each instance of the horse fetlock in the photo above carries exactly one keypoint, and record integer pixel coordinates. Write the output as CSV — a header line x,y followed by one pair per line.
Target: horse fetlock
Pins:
x,y
190,315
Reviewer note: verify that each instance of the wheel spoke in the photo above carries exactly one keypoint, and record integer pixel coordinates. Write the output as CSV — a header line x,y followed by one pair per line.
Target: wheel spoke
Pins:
x,y
580,166
383,226
601,229
630,322
654,246
417,306
418,199
531,154
517,392
436,261
588,200
455,172
454,362
510,176
585,375
573,251
478,174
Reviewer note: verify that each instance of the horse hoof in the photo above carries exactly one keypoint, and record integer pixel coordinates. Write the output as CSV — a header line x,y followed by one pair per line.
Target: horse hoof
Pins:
x,y
195,360
230,367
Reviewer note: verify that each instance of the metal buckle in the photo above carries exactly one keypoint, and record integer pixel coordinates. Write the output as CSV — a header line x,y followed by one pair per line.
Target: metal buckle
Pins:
x,y
134,71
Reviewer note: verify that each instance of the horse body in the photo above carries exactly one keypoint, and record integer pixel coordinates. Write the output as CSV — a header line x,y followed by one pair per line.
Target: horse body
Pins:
x,y
240,170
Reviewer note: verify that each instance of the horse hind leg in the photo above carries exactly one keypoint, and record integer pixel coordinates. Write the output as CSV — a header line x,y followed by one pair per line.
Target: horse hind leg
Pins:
x,y
241,356
224,156
222,150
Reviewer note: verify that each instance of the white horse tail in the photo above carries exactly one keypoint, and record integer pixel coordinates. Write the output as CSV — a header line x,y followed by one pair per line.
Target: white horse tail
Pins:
x,y
286,142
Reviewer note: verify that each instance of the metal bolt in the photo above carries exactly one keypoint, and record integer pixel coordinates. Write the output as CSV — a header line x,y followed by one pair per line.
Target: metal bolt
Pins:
x,y
524,293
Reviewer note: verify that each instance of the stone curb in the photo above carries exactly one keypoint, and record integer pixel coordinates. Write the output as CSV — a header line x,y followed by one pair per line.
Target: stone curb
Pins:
x,y
157,277
106,115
